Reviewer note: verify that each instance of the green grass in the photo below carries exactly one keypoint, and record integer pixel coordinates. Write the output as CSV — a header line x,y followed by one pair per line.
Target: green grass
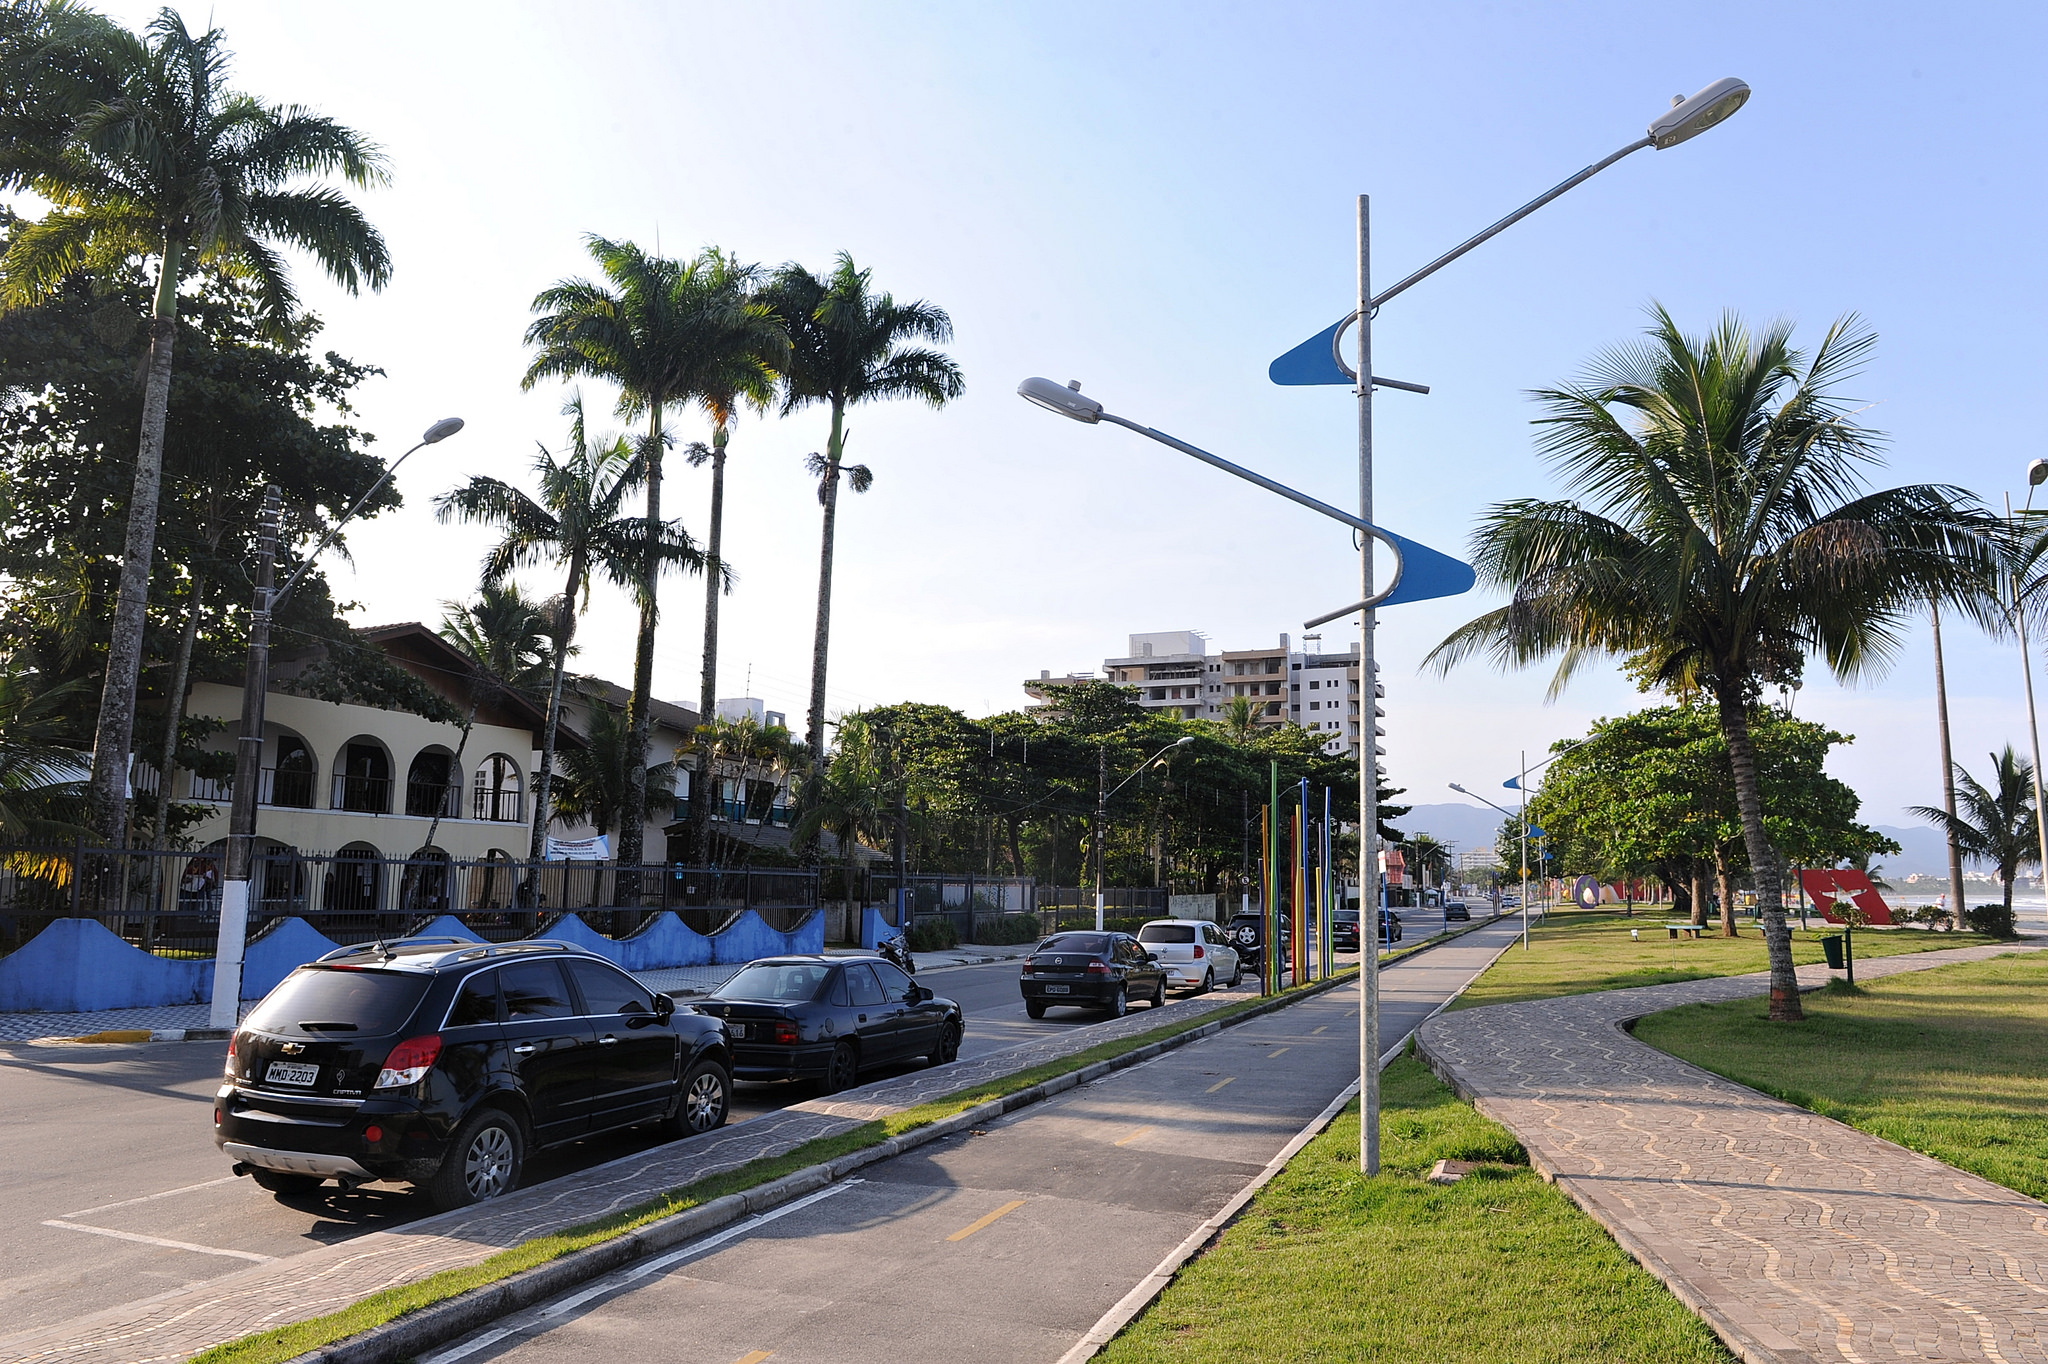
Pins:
x,y
1499,1268
288,1342
1952,1062
1578,951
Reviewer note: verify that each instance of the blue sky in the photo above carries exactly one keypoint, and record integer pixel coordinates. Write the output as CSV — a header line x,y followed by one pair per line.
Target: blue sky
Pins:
x,y
1157,200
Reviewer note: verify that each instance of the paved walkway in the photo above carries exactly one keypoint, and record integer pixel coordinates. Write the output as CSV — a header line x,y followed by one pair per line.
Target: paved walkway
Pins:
x,y
1797,1238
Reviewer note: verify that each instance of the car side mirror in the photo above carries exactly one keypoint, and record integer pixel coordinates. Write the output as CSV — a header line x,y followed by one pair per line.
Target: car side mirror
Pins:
x,y
1152,956
664,1007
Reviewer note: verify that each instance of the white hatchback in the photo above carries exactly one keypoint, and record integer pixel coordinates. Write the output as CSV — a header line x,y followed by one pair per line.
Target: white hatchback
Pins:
x,y
1196,953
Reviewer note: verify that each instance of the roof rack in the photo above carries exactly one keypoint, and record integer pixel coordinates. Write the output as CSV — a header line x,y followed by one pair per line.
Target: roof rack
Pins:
x,y
383,946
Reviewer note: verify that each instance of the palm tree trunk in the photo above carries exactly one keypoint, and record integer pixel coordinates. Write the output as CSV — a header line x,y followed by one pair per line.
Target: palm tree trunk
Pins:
x,y
1724,890
707,704
814,730
543,782
633,817
174,711
1948,766
115,733
1763,860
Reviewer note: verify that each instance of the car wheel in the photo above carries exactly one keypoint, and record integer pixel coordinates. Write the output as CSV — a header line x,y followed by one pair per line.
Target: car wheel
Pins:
x,y
1159,994
1119,1004
285,1185
1033,1009
482,1162
947,1048
707,1099
1236,975
844,1068
1208,983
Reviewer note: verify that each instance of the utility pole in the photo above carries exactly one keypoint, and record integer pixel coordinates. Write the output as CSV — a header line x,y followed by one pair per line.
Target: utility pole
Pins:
x,y
1948,768
1101,811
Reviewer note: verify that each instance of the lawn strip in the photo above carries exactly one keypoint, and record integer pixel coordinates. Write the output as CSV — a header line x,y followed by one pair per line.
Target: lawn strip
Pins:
x,y
1579,951
285,1343
1499,1268
1951,1062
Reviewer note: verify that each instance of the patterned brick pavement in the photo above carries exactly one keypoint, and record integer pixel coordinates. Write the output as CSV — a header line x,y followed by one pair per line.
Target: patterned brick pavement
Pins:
x,y
1797,1238
175,1324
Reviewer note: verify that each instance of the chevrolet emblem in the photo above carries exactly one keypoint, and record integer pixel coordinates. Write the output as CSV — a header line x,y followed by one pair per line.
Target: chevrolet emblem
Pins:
x,y
292,1048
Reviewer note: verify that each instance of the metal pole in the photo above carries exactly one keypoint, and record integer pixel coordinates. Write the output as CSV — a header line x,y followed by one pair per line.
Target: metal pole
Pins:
x,y
234,890
1948,766
1368,756
1272,905
2033,727
1329,888
1101,806
1524,785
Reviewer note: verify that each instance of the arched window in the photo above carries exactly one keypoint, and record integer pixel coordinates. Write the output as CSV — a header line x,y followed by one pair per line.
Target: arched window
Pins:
x,y
424,889
431,785
497,791
362,780
290,783
354,878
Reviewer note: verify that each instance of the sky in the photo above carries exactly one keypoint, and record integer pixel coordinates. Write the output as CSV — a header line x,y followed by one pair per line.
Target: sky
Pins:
x,y
1157,200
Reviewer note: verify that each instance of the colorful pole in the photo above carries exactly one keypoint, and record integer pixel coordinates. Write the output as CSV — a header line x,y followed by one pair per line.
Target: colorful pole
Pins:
x,y
1266,898
1272,953
1329,886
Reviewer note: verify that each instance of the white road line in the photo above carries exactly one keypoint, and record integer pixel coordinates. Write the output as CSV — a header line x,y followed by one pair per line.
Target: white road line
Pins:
x,y
467,1348
158,1241
151,1198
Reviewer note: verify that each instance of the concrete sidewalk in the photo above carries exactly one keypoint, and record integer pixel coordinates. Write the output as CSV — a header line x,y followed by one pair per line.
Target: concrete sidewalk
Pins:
x,y
1797,1238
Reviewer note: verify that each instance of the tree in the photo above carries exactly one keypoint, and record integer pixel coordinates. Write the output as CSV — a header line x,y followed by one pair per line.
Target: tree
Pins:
x,y
1428,858
662,332
1723,536
848,347
755,757
596,786
576,525
1998,824
167,164
41,796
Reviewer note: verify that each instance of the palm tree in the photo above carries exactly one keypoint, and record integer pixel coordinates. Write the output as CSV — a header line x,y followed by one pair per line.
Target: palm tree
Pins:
x,y
853,794
662,331
847,347
744,375
41,797
1998,825
1430,859
1240,721
168,164
752,754
506,637
596,786
575,524
1724,535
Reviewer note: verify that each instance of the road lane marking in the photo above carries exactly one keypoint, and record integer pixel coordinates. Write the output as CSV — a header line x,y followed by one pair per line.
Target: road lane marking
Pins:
x,y
755,1357
1351,1013
1133,1137
467,1348
158,1241
1325,1028
151,1198
1219,1084
979,1223
1278,1051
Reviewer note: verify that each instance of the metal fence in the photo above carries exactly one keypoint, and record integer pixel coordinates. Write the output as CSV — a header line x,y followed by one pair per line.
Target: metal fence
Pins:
x,y
169,901
1074,906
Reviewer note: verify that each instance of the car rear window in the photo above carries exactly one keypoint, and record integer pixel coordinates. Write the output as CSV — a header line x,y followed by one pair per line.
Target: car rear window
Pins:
x,y
1076,942
321,1001
1167,933
1344,916
787,982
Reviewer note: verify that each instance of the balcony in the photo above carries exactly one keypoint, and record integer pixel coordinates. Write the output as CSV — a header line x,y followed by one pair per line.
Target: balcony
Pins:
x,y
433,799
501,806
362,795
290,789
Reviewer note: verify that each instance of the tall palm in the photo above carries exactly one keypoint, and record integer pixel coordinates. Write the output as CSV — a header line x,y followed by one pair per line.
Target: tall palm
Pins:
x,y
168,164
504,636
596,787
659,330
848,346
1723,536
575,524
743,376
1240,721
1999,824
41,798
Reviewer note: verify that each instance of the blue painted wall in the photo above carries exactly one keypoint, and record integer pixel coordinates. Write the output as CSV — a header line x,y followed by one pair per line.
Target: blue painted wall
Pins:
x,y
77,964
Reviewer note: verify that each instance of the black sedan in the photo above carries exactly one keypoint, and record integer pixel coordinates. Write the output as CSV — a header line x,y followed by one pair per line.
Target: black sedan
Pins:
x,y
1093,970
829,1018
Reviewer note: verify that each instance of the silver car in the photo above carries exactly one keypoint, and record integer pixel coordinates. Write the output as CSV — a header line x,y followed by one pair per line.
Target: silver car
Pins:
x,y
1195,953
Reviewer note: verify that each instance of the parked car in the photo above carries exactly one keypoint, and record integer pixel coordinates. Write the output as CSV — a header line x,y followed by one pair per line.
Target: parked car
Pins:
x,y
1093,970
1194,952
443,1062
1390,926
1247,933
1455,911
1344,930
829,1018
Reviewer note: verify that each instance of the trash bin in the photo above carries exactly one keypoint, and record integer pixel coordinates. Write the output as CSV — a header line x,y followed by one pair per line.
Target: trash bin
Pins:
x,y
1831,947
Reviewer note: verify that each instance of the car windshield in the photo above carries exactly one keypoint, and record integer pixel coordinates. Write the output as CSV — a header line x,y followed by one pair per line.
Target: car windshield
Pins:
x,y
785,982
1076,942
321,1001
1167,933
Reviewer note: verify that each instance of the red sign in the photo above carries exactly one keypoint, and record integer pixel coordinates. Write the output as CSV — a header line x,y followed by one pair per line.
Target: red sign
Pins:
x,y
1826,887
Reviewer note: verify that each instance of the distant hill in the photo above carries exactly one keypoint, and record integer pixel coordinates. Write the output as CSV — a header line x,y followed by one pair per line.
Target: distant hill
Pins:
x,y
1924,850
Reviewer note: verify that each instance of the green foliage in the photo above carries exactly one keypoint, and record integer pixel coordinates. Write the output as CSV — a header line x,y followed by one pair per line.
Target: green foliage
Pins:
x,y
1006,930
592,783
1992,920
933,935
1998,824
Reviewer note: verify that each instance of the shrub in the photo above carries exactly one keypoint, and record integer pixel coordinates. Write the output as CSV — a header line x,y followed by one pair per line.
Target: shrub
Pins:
x,y
1995,920
1006,930
933,935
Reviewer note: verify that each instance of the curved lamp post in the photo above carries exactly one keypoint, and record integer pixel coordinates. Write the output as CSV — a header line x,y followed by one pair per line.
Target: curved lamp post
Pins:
x,y
2037,473
241,850
1103,791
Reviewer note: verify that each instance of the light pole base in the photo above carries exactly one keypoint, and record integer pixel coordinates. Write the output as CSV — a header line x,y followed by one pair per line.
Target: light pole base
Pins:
x,y
227,962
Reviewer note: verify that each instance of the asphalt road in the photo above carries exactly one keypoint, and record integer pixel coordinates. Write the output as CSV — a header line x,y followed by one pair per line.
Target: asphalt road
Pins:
x,y
111,1189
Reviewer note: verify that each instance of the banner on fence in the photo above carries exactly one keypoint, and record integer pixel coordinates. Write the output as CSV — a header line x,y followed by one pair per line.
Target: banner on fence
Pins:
x,y
598,849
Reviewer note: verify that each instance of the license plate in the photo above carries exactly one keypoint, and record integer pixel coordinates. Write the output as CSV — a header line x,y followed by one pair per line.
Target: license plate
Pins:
x,y
736,1029
1059,989
291,1073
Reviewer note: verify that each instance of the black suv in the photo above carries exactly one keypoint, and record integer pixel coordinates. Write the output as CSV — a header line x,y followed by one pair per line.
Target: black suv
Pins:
x,y
442,1062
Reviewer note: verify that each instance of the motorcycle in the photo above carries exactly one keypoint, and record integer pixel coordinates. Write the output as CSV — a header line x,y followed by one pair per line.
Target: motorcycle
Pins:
x,y
897,950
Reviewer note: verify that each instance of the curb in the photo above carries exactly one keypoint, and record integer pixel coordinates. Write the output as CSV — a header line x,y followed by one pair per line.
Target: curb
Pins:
x,y
409,1335
116,1035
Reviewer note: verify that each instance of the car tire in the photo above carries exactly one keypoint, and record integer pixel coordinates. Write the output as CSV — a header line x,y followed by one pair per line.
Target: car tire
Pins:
x,y
286,1185
1208,983
706,1101
947,1047
843,1071
1033,1009
1119,1003
1159,994
483,1161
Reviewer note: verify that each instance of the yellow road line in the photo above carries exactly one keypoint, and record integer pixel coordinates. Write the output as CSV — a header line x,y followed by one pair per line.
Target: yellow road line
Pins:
x,y
754,1357
1219,1084
977,1225
1323,1029
1133,1137
1278,1051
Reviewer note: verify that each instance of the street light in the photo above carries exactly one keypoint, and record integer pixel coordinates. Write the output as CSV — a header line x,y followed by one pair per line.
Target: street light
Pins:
x,y
1320,360
241,850
2037,473
1103,791
1528,830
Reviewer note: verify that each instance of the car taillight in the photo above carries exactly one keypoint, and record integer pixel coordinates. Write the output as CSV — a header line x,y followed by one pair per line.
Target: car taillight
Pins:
x,y
230,1071
1098,968
784,1032
409,1061
1198,951
1029,968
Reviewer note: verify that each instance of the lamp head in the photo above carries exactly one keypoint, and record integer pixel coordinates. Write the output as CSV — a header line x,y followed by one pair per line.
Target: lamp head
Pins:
x,y
2037,472
1690,117
1459,789
441,430
1183,739
1065,400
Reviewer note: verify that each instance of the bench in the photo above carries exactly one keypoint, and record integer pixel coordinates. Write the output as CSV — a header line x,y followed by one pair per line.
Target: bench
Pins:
x,y
1691,930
